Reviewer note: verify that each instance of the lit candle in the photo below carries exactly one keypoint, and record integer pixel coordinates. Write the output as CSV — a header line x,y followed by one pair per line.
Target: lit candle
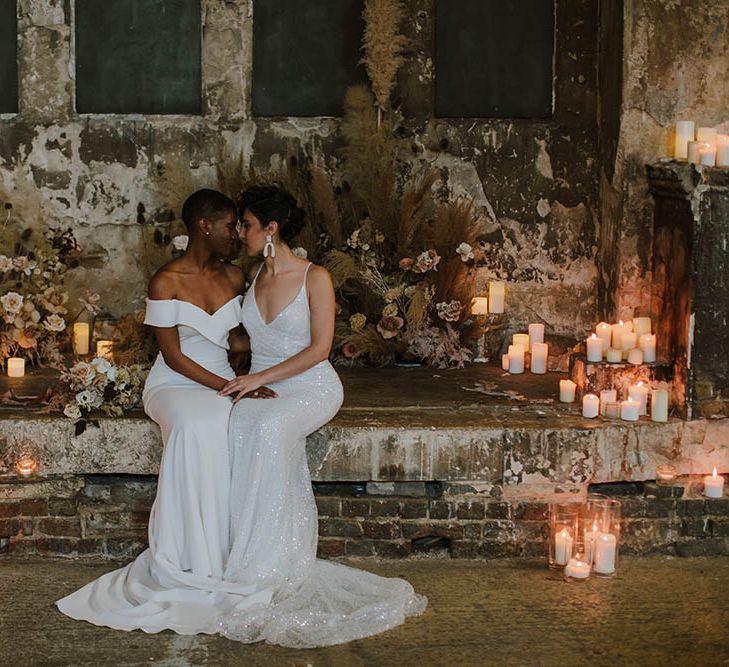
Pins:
x,y
536,333
617,331
104,349
590,536
25,466
639,392
693,151
590,406
563,547
567,390
604,331
605,547
594,348
480,305
505,362
607,396
684,133
635,356
659,405
707,155
665,475
516,359
521,339
714,485
496,296
706,135
540,352
647,343
722,150
614,355
630,410
577,569
642,325
81,337
16,367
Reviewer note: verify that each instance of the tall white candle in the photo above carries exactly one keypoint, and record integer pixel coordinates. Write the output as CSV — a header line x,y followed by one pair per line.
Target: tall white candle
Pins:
x,y
659,405
617,331
706,135
607,396
693,152
642,325
722,150
567,390
590,406
536,333
81,337
496,296
16,367
605,547
647,343
714,485
684,133
604,331
594,348
516,359
563,542
639,392
540,352
629,410
707,155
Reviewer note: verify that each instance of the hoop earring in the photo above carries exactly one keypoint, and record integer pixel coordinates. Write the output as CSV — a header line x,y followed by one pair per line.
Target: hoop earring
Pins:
x,y
269,248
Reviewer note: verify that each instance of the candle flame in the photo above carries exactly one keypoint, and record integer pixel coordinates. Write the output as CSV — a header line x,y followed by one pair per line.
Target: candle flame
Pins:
x,y
594,526
564,533
714,473
630,400
640,384
621,322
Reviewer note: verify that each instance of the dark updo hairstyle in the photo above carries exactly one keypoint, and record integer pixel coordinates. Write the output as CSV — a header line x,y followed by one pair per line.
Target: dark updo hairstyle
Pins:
x,y
205,203
269,202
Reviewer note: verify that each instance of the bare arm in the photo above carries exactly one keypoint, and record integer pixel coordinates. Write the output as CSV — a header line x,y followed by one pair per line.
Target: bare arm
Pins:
x,y
321,303
238,340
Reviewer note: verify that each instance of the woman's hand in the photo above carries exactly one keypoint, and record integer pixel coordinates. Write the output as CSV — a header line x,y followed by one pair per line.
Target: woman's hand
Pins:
x,y
247,386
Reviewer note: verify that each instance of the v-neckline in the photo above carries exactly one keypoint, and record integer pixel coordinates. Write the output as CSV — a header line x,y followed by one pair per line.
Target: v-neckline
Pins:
x,y
286,307
202,310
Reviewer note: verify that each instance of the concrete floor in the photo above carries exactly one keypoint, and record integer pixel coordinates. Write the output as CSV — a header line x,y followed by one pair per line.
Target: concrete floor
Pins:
x,y
656,612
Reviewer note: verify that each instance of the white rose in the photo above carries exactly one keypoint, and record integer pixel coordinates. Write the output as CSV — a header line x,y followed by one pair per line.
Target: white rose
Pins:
x,y
12,302
54,323
180,242
84,398
390,310
5,263
102,365
300,252
72,411
465,251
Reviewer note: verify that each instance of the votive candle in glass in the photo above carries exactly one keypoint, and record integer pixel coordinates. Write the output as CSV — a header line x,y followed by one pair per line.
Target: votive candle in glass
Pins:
x,y
26,466
665,475
607,396
714,485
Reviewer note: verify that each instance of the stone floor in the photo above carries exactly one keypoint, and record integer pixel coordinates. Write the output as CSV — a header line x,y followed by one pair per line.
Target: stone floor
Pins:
x,y
656,612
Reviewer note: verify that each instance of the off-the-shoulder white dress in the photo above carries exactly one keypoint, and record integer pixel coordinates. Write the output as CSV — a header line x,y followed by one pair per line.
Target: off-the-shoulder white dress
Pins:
x,y
177,583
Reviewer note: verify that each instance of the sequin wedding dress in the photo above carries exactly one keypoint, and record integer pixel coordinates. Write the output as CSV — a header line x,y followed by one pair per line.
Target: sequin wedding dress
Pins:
x,y
310,602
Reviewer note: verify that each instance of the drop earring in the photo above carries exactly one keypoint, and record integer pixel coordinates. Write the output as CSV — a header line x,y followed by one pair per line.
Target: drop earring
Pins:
x,y
269,248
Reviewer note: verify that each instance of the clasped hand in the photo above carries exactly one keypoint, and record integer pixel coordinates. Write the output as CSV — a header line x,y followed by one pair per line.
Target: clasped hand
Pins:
x,y
247,386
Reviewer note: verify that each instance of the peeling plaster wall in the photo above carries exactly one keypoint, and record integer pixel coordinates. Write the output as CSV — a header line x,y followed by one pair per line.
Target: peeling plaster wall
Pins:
x,y
676,59
535,182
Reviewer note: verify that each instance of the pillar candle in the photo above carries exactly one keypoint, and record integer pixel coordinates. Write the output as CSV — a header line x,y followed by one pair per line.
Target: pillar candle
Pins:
x,y
614,355
707,155
685,132
628,325
617,331
521,339
540,352
642,325
639,392
563,542
628,341
480,305
505,362
722,150
605,547
659,405
647,344
567,390
589,536
706,135
81,337
630,410
536,333
104,349
496,296
635,356
714,485
590,406
607,396
594,348
693,151
604,331
577,569
16,367
516,359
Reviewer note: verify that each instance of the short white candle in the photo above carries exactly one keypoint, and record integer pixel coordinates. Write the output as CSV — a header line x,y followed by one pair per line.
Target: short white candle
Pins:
x,y
647,344
540,352
516,359
617,331
536,333
628,340
104,349
590,536
594,348
505,362
635,356
630,410
16,367
563,547
722,150
605,548
693,152
639,392
521,339
604,331
81,337
659,405
614,355
714,485
685,132
706,135
590,406
607,396
642,325
577,569
707,155
480,305
567,390
628,325
496,296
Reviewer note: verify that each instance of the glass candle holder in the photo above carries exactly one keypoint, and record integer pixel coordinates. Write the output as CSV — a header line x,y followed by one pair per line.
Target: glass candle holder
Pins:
x,y
666,475
603,517
26,467
563,527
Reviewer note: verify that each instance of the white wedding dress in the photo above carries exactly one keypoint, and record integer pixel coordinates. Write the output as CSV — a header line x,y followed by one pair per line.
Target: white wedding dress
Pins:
x,y
311,602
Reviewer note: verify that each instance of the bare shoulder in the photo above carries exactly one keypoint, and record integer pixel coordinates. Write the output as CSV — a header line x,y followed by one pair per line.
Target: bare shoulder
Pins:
x,y
164,283
319,278
236,276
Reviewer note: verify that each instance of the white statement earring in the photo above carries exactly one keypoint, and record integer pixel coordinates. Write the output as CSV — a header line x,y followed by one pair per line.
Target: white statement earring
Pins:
x,y
269,248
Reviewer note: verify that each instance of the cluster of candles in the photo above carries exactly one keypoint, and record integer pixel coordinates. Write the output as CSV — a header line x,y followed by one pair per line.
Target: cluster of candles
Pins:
x,y
533,342
15,366
599,555
631,341
493,303
703,145
630,409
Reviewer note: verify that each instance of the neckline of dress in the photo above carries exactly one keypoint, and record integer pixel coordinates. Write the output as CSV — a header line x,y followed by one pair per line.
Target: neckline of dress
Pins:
x,y
194,305
286,307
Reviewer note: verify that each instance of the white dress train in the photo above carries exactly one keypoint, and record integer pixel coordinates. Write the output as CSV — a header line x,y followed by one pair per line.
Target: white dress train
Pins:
x,y
274,527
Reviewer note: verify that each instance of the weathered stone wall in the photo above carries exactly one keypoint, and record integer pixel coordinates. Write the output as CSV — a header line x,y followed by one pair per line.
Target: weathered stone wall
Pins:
x,y
676,56
535,182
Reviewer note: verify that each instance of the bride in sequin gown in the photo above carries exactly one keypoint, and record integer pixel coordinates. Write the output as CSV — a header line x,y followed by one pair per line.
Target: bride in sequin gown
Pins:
x,y
288,313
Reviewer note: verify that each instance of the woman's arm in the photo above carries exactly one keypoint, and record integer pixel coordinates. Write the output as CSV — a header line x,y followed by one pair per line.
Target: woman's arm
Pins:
x,y
238,340
321,304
